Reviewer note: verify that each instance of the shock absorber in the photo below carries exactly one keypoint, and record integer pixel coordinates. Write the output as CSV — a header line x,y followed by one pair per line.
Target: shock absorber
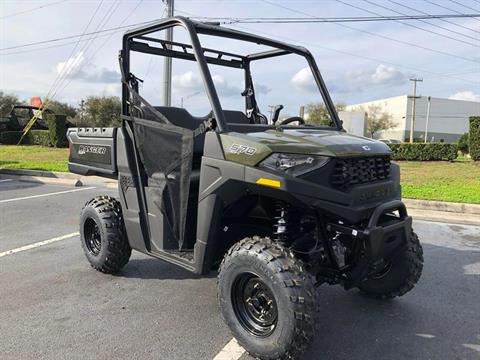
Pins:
x,y
282,223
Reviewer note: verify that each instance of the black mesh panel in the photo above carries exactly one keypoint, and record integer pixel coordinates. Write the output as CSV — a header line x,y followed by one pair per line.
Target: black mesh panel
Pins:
x,y
166,154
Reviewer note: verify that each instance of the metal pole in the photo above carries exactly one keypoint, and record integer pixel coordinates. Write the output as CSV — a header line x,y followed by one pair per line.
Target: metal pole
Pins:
x,y
412,115
428,117
301,111
167,67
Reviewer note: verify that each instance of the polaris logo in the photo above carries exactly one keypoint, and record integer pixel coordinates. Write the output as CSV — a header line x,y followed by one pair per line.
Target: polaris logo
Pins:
x,y
91,149
366,148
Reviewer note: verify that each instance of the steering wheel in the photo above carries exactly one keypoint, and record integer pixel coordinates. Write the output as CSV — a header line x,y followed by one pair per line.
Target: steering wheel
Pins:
x,y
292,119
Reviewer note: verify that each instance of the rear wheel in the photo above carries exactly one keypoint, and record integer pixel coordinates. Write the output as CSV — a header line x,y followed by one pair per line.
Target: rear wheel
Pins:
x,y
399,275
102,234
267,299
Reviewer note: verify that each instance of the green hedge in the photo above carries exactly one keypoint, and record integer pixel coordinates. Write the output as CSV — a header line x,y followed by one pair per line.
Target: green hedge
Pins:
x,y
34,137
57,129
424,152
474,138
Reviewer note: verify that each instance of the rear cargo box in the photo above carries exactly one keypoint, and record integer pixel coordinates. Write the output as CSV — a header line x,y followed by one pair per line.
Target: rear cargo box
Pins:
x,y
92,151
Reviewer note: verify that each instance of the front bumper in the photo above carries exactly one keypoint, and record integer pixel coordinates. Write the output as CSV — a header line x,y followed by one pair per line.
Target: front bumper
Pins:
x,y
383,237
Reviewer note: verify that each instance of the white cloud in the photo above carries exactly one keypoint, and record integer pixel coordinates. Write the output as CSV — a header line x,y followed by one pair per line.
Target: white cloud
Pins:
x,y
381,75
303,80
67,67
187,81
465,95
190,81
76,68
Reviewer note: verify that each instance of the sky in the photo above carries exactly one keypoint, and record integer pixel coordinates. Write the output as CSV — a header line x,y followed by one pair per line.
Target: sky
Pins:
x,y
359,61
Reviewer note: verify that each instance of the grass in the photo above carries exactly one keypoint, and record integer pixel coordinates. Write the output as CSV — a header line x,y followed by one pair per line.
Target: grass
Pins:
x,y
33,157
457,181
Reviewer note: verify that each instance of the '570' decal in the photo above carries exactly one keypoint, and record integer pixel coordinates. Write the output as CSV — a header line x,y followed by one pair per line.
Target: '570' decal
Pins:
x,y
242,149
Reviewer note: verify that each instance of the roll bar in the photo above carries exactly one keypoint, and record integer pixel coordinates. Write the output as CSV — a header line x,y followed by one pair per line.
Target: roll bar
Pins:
x,y
136,40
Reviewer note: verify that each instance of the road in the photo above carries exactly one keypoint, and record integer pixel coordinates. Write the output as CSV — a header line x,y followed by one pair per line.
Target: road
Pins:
x,y
54,306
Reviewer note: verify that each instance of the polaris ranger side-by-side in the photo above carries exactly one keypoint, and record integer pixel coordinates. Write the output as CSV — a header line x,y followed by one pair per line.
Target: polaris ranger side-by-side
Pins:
x,y
278,206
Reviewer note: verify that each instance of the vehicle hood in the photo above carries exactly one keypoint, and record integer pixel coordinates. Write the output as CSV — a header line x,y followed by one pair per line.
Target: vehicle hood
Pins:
x,y
255,146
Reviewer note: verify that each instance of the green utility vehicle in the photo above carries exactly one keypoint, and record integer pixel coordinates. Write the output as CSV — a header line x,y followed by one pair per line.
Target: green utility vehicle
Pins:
x,y
279,207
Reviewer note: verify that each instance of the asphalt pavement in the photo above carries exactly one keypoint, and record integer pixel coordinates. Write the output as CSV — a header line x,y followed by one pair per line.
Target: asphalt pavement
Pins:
x,y
53,305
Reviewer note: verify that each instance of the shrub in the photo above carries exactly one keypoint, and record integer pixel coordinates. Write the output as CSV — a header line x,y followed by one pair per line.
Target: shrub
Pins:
x,y
424,152
39,137
463,143
10,137
57,129
34,137
474,138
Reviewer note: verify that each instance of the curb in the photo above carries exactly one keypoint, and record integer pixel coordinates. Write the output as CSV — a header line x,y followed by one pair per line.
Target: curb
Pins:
x,y
460,208
59,178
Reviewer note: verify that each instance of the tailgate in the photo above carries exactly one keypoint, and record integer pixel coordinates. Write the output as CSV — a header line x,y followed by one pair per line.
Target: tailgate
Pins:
x,y
92,151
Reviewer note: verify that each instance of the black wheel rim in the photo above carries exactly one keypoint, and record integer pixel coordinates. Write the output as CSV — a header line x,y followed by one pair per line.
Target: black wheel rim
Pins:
x,y
254,304
382,272
93,239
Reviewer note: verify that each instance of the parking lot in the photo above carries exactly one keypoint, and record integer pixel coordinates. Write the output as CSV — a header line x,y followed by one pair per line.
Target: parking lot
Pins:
x,y
53,305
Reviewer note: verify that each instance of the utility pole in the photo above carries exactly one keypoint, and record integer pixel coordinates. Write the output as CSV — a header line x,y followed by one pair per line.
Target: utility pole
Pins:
x,y
167,66
429,100
414,97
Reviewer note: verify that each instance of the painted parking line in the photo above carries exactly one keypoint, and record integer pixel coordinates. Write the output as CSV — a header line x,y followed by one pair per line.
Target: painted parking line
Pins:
x,y
48,194
38,244
5,180
231,351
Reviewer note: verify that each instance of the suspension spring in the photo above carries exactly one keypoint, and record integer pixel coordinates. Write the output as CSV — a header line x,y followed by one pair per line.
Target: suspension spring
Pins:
x,y
282,223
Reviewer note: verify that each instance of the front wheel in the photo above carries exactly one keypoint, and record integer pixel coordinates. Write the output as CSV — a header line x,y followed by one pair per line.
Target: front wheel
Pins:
x,y
399,275
267,299
103,236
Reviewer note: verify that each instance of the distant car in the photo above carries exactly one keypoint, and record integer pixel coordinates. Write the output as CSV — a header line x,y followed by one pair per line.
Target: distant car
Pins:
x,y
390,141
20,115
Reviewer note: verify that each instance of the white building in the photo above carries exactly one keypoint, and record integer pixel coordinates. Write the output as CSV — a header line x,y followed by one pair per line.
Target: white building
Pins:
x,y
447,121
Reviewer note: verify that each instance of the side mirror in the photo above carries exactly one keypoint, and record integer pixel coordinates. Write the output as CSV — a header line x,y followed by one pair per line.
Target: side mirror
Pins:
x,y
276,113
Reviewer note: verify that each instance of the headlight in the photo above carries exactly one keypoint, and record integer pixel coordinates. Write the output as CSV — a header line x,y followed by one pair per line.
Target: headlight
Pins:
x,y
294,164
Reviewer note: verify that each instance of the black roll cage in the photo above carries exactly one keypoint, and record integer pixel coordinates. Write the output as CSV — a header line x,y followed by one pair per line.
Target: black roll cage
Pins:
x,y
204,56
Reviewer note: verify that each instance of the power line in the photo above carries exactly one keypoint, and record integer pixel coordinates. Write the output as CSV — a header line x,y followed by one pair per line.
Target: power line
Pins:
x,y
106,17
67,65
54,46
231,20
446,8
441,19
283,20
429,23
406,24
377,35
32,9
465,6
89,60
315,45
76,36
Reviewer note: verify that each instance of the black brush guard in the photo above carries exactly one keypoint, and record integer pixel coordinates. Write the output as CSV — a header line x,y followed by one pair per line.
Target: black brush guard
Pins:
x,y
382,239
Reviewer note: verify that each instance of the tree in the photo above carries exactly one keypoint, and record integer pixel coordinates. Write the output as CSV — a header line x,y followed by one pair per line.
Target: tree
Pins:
x,y
7,101
318,113
102,111
61,108
377,120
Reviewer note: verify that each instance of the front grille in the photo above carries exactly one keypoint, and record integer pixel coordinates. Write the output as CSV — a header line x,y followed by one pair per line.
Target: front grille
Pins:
x,y
348,172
